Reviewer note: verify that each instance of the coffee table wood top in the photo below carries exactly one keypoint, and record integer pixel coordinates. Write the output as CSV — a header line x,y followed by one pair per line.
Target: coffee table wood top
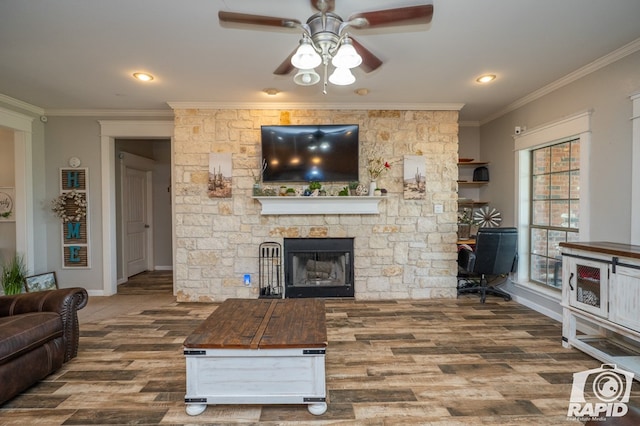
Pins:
x,y
262,324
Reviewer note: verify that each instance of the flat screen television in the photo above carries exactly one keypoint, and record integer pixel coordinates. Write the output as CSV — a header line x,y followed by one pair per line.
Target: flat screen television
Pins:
x,y
324,153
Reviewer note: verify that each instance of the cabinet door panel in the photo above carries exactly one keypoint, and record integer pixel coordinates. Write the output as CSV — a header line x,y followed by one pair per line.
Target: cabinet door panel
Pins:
x,y
588,282
625,297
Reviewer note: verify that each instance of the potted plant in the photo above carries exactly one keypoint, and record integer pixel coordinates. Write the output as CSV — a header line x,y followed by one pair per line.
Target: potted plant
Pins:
x,y
13,273
464,223
353,188
291,192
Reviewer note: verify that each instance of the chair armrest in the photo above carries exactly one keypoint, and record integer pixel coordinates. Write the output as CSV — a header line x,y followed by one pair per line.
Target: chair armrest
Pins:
x,y
65,301
466,260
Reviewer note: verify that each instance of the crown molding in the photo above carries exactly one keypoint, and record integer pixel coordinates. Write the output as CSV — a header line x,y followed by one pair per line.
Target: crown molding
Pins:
x,y
594,66
316,106
109,112
21,104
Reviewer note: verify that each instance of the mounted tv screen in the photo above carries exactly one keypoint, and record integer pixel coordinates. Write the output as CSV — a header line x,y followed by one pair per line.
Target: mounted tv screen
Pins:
x,y
324,153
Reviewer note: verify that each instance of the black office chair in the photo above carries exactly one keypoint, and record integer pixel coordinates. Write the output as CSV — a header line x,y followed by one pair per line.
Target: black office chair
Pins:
x,y
495,253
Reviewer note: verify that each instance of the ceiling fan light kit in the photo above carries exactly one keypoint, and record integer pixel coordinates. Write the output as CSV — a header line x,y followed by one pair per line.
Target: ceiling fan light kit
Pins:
x,y
342,77
325,40
306,56
306,77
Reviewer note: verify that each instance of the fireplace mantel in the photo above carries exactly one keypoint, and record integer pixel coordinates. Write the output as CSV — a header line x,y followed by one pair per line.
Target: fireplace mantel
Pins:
x,y
319,205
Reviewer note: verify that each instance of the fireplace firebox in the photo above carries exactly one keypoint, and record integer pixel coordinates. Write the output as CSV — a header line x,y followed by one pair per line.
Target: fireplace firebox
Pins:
x,y
318,267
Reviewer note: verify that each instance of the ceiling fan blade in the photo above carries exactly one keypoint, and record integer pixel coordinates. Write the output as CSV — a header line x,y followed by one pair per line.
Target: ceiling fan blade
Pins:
x,y
286,66
244,18
385,18
370,62
323,5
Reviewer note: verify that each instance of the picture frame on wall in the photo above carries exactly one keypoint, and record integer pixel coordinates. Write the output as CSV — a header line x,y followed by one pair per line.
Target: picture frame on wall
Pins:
x,y
7,204
41,282
414,182
220,172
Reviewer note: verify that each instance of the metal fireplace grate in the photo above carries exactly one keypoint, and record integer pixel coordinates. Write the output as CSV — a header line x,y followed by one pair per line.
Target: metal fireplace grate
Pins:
x,y
270,271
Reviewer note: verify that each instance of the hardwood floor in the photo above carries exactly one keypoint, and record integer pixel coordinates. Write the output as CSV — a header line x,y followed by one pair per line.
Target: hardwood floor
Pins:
x,y
427,362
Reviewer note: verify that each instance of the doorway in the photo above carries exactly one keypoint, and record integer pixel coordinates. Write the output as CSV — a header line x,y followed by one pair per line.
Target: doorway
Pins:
x,y
109,131
143,181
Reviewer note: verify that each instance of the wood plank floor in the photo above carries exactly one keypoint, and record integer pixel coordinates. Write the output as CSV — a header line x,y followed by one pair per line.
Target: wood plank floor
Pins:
x,y
431,362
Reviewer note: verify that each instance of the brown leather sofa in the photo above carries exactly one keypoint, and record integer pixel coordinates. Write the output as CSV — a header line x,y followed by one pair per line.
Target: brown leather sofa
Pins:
x,y
38,333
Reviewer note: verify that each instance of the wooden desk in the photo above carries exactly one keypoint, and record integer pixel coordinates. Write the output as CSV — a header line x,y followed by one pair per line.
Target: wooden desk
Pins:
x,y
258,351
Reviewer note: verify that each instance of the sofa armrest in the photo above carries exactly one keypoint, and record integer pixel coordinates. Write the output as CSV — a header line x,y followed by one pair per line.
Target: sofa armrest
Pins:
x,y
64,301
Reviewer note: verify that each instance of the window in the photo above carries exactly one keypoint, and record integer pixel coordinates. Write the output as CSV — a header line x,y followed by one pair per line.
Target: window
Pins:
x,y
552,193
555,208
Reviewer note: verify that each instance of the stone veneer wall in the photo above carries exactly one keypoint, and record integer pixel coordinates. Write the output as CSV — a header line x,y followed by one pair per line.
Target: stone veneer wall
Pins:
x,y
406,252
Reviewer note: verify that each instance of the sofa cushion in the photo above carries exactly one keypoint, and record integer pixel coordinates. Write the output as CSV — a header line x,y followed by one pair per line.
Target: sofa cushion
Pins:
x,y
21,333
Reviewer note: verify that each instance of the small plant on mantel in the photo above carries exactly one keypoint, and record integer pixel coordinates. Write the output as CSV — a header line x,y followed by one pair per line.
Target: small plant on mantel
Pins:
x,y
315,185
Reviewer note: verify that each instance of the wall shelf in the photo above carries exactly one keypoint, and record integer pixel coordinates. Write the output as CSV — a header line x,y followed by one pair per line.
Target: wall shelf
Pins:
x,y
278,205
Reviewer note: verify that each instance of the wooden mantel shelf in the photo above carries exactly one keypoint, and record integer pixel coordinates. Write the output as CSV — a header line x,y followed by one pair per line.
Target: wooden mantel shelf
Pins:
x,y
319,205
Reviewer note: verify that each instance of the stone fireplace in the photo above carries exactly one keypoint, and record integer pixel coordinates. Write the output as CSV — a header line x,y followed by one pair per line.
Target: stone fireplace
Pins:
x,y
405,250
318,267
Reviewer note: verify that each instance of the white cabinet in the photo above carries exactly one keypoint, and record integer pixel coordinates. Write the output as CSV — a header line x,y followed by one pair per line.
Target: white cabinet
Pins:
x,y
601,302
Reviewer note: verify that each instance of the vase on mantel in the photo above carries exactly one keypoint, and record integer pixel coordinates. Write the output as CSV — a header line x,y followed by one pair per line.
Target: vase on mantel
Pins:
x,y
372,187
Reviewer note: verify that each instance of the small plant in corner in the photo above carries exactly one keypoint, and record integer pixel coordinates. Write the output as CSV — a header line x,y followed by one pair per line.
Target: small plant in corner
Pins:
x,y
13,273
291,191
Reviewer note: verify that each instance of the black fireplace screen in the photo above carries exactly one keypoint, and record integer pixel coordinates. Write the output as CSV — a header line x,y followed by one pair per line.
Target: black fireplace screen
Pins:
x,y
318,267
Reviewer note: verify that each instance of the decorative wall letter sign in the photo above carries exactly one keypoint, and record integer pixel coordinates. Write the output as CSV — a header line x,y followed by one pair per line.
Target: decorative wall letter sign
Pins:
x,y
73,209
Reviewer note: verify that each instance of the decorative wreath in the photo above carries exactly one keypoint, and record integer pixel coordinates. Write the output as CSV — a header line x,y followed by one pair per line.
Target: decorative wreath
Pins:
x,y
487,217
70,206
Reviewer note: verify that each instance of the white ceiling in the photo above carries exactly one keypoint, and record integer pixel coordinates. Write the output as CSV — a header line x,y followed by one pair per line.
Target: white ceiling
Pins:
x,y
80,54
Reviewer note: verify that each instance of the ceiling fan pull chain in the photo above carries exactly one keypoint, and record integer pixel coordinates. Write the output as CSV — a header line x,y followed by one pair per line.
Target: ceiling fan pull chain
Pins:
x,y
324,84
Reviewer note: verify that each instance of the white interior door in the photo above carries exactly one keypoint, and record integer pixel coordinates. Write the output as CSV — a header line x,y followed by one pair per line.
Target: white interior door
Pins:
x,y
135,221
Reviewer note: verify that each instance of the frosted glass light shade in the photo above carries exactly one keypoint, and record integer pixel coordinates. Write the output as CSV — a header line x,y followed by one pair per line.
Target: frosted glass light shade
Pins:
x,y
306,77
342,77
346,57
306,56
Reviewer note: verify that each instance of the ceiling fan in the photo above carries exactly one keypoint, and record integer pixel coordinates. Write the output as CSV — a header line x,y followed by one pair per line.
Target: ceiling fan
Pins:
x,y
325,39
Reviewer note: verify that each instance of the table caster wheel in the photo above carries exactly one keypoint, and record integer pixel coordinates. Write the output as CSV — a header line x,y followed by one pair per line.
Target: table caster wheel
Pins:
x,y
317,409
195,409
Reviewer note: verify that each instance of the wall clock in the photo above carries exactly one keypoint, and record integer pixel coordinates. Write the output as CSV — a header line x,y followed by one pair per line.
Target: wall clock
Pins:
x,y
74,162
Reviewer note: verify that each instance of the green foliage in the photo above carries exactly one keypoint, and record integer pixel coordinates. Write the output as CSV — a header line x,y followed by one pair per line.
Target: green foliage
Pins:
x,y
315,185
354,185
344,192
13,273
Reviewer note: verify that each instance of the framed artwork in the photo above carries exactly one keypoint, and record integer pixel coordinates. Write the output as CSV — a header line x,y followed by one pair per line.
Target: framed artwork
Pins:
x,y
41,282
7,204
220,171
414,182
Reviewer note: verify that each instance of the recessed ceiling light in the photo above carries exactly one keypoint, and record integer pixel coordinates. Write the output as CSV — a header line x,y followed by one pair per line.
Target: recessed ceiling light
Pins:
x,y
271,91
143,76
486,78
362,92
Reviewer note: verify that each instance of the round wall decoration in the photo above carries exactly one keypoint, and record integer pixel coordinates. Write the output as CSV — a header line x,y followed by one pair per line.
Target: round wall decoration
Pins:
x,y
6,203
487,217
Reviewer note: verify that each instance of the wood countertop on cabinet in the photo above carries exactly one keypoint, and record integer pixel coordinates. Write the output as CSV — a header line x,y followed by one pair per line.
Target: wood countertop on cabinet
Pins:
x,y
614,249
